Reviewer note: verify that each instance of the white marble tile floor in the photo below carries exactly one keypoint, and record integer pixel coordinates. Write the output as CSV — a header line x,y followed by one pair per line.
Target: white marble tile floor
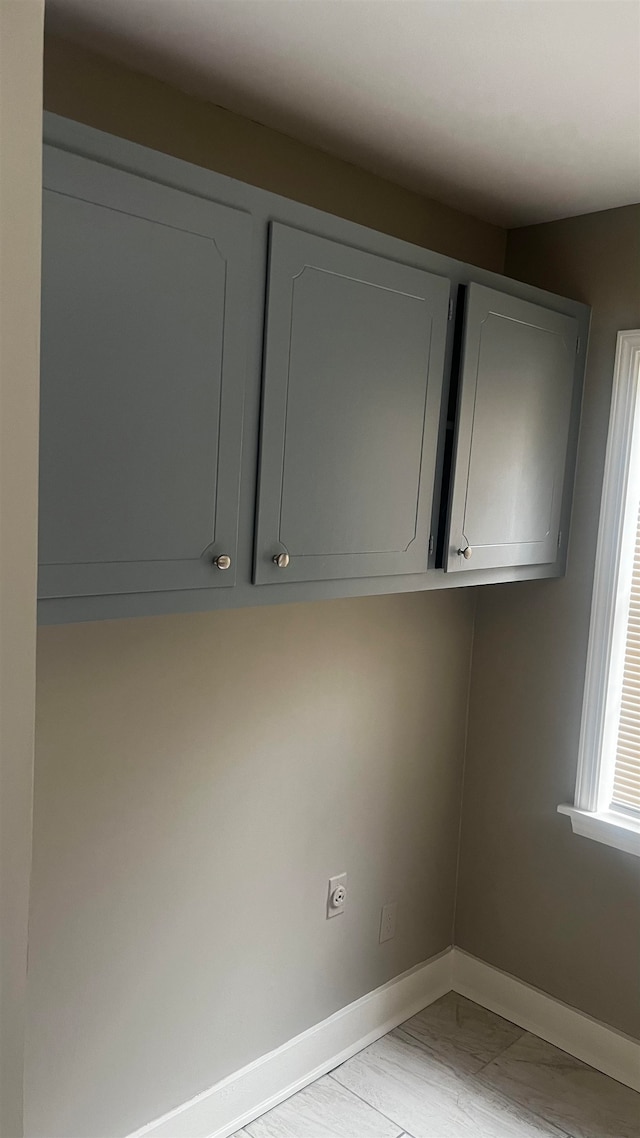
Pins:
x,y
456,1070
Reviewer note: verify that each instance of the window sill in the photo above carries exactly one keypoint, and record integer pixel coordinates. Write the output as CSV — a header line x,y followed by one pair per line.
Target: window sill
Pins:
x,y
617,830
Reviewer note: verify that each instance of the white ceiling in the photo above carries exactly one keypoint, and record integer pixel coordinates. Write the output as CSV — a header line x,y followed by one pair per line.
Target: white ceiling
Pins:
x,y
517,111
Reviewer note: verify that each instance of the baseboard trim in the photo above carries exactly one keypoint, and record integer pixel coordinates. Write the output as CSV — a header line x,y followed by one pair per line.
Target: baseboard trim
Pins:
x,y
603,1047
261,1085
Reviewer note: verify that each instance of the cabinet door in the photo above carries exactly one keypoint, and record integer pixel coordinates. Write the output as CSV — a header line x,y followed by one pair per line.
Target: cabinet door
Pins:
x,y
143,360
516,387
352,386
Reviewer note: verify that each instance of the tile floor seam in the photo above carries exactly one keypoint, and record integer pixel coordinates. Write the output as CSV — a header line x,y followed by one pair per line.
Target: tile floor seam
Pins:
x,y
471,1077
465,1079
408,1031
573,1128
251,1133
503,1051
366,1101
516,1102
432,1050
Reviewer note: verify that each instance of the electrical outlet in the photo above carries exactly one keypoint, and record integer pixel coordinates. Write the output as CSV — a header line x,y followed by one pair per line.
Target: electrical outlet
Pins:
x,y
337,895
388,921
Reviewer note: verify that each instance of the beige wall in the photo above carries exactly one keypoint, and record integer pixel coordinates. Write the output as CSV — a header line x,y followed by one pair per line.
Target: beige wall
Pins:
x,y
559,911
193,771
20,181
198,778
91,89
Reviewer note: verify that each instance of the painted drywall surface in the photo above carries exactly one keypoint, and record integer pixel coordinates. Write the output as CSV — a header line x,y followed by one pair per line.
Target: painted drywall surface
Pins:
x,y
20,180
559,911
198,780
93,90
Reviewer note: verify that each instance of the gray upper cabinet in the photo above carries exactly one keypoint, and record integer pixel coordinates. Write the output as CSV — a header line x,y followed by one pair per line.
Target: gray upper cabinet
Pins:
x,y
353,374
143,362
517,383
231,378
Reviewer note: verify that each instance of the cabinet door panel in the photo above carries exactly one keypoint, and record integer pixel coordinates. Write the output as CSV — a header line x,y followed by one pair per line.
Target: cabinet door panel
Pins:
x,y
516,387
353,376
143,310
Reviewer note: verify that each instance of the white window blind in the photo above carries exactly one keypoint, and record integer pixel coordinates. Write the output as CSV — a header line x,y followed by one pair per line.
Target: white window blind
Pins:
x,y
626,782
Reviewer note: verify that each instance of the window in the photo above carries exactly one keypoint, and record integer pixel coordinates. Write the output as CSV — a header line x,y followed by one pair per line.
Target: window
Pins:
x,y
607,799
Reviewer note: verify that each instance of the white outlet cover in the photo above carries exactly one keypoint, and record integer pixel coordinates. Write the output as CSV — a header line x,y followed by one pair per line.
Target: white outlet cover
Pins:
x,y
340,883
388,920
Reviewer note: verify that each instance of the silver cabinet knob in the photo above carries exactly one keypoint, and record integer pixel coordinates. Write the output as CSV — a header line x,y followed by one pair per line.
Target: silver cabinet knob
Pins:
x,y
223,561
466,552
281,560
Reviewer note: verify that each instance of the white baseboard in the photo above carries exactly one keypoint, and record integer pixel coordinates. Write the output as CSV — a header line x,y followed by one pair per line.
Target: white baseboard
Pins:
x,y
256,1088
595,1043
261,1085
